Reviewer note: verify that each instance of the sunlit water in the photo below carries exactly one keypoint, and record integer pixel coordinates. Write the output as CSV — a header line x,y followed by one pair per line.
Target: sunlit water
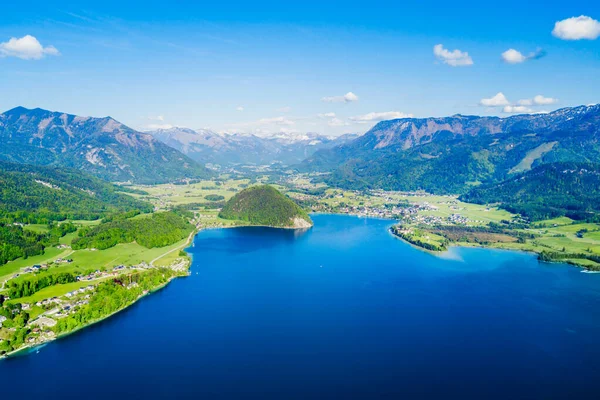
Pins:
x,y
344,310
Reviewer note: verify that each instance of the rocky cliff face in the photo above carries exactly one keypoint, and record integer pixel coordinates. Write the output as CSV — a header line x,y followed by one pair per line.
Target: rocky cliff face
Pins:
x,y
409,132
300,223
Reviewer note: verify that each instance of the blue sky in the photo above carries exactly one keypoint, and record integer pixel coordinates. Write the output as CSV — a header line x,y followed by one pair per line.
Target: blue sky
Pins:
x,y
296,66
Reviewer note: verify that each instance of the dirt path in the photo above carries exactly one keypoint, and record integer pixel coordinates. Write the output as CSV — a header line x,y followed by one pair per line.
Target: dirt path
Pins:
x,y
187,242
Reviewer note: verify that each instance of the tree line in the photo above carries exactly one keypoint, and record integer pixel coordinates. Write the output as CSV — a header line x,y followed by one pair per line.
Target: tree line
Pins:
x,y
158,230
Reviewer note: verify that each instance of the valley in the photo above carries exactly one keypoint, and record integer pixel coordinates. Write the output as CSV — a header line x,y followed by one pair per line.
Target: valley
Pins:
x,y
77,249
439,220
298,200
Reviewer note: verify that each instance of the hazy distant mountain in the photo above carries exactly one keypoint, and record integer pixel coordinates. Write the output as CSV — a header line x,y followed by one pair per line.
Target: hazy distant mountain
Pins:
x,y
206,146
451,154
101,146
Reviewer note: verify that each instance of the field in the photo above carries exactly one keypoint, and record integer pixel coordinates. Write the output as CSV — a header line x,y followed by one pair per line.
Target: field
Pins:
x,y
559,235
85,259
52,291
50,254
169,195
427,211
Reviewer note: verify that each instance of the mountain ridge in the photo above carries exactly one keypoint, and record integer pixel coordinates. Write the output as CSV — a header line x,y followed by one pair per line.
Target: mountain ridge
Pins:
x,y
102,146
244,148
415,153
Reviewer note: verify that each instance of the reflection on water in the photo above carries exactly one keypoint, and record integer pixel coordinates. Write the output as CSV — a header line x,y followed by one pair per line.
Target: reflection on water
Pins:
x,y
248,239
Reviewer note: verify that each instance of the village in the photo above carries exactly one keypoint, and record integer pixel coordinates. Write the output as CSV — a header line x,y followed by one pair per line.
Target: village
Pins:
x,y
57,307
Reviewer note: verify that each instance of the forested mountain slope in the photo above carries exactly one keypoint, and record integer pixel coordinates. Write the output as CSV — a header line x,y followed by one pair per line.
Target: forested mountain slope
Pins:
x,y
40,194
450,155
560,189
45,195
101,146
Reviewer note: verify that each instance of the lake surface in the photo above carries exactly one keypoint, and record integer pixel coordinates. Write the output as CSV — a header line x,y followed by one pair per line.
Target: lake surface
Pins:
x,y
344,310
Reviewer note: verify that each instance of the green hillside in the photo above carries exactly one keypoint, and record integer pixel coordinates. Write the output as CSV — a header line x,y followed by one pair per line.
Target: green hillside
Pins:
x,y
43,195
548,191
158,230
265,205
36,194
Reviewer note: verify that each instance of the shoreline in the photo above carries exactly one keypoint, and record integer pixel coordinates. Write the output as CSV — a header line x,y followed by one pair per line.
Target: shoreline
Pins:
x,y
439,253
29,348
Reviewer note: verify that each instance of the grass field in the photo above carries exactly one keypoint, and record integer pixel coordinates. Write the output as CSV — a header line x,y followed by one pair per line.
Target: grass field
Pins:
x,y
53,291
37,228
476,214
50,254
86,259
168,195
125,253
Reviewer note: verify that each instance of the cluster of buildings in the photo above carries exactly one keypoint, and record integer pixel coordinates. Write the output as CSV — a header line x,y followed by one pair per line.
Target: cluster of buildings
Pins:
x,y
80,291
41,336
429,220
71,307
458,219
376,212
49,302
114,272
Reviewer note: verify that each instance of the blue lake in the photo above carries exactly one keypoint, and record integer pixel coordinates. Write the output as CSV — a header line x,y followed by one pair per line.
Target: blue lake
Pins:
x,y
344,310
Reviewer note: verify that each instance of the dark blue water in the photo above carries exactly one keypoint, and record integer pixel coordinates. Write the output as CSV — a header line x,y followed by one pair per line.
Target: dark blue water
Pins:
x,y
342,311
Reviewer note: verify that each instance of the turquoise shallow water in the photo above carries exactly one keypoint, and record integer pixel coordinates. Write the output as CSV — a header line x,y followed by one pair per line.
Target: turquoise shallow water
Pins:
x,y
344,310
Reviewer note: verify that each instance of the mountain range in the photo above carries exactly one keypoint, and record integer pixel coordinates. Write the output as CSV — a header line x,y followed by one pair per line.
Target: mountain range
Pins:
x,y
206,146
453,154
440,155
103,147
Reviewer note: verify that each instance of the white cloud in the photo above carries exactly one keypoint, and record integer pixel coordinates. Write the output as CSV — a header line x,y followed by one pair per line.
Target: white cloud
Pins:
x,y
337,122
347,98
275,121
512,56
544,101
26,48
517,109
157,118
379,116
538,100
284,109
577,28
333,120
499,100
326,115
522,106
154,127
454,58
239,108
